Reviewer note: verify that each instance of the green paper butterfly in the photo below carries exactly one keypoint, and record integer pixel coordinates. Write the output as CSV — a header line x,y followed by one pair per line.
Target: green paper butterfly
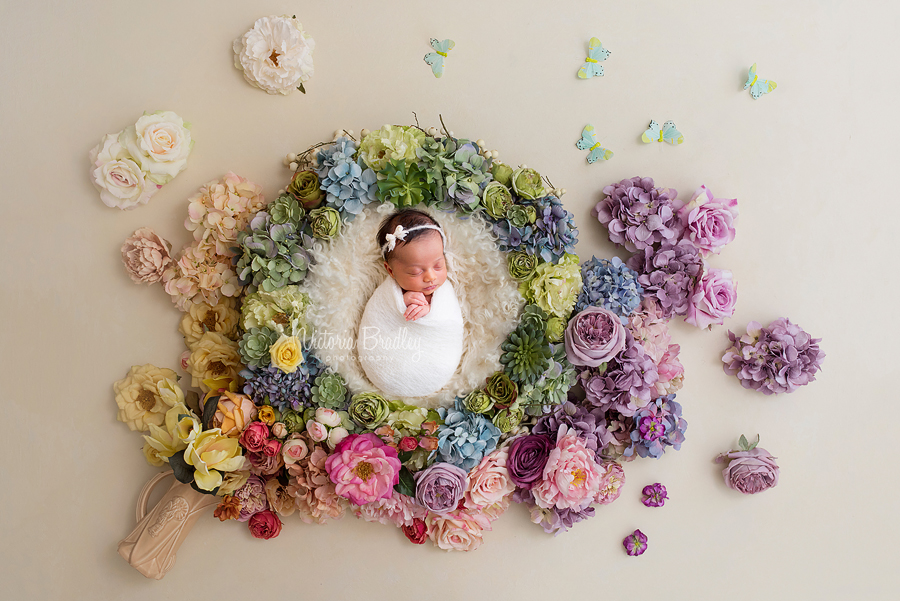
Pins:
x,y
592,66
436,59
589,142
666,133
758,86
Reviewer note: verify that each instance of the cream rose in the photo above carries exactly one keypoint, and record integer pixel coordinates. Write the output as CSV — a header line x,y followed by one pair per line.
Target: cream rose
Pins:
x,y
160,143
286,354
275,55
118,177
201,318
215,357
139,399
489,483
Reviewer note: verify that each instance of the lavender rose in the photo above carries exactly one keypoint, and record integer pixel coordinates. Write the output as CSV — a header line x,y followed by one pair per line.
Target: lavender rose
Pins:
x,y
593,337
713,299
750,471
527,458
440,487
708,222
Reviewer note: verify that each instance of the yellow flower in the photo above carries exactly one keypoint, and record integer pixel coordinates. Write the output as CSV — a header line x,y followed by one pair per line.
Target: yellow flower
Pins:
x,y
138,395
182,426
286,354
152,455
214,357
266,415
211,453
202,318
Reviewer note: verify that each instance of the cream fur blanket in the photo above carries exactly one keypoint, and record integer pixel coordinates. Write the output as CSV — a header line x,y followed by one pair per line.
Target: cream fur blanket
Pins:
x,y
410,358
348,269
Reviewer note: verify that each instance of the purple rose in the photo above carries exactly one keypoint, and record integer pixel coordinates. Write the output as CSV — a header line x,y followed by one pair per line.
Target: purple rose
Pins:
x,y
439,488
713,299
708,222
527,458
593,337
750,471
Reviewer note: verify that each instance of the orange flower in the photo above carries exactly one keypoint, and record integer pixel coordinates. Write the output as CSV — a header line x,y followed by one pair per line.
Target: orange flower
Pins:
x,y
228,509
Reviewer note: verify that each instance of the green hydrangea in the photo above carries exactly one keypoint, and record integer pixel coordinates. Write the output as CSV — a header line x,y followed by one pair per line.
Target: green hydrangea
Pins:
x,y
254,346
552,388
554,287
282,310
330,391
403,185
369,410
390,143
271,255
527,183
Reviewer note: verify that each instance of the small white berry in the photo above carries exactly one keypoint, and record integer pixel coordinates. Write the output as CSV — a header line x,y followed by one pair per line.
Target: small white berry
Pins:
x,y
281,193
523,166
495,154
562,191
292,157
480,142
452,135
364,132
285,161
293,166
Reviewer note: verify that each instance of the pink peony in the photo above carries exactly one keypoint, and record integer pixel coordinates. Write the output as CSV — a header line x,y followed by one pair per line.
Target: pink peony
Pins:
x,y
611,482
146,256
713,299
650,327
708,222
571,478
222,209
489,482
671,372
363,469
398,510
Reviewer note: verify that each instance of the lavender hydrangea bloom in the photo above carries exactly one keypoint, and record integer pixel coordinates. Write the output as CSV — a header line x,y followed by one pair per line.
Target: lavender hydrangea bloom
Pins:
x,y
510,237
627,382
283,391
465,438
778,358
349,185
615,434
657,426
555,233
571,415
669,274
637,214
609,284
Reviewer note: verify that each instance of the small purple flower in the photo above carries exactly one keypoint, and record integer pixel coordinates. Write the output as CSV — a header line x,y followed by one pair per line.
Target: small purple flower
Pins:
x,y
635,543
655,495
652,427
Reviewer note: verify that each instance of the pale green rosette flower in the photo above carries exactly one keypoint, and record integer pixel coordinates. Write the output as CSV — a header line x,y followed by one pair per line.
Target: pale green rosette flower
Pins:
x,y
330,391
282,310
508,419
497,200
521,265
390,143
369,410
527,183
502,173
286,208
520,215
554,287
405,417
325,222
502,390
306,188
293,421
478,401
556,329
254,346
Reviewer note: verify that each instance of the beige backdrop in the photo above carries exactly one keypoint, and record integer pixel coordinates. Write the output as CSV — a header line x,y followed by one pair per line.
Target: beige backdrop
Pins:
x,y
811,165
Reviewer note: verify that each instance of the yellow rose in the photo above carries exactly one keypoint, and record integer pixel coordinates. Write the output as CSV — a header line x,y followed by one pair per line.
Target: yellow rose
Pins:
x,y
286,354
211,453
267,415
152,455
182,427
201,318
214,357
139,398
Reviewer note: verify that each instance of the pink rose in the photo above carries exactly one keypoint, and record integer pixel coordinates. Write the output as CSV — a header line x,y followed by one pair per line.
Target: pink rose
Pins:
x,y
713,299
750,471
294,449
416,532
279,430
271,448
408,443
317,432
708,222
593,337
146,256
254,437
265,525
363,469
459,530
328,417
571,478
489,482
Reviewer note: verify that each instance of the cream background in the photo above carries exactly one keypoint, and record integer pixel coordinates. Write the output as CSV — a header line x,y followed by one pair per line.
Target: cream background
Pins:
x,y
810,165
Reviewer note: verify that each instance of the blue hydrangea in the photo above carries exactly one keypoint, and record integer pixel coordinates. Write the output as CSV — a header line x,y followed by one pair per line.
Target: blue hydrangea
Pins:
x,y
465,438
657,426
283,391
555,233
510,237
349,185
609,284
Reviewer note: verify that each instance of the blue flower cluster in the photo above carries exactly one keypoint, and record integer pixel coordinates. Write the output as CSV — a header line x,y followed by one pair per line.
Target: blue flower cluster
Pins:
x,y
283,391
609,284
349,185
657,426
555,233
465,438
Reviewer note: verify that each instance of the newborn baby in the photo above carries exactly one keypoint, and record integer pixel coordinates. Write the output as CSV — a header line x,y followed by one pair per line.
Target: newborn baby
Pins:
x,y
411,333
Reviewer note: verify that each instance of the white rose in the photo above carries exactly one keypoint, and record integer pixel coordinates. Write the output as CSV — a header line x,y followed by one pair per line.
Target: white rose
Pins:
x,y
160,143
275,55
119,179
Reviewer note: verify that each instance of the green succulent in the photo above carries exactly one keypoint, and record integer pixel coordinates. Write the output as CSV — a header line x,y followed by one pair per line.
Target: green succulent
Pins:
x,y
330,391
325,222
254,346
527,183
436,158
525,354
534,317
369,409
497,200
521,215
521,265
552,387
403,185
305,187
478,401
285,209
508,419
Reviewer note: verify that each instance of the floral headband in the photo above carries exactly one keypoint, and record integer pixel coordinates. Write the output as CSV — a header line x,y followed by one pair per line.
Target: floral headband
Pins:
x,y
400,233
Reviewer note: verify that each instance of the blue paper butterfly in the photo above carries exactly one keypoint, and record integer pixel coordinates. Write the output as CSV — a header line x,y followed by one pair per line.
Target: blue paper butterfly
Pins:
x,y
589,142
592,66
758,86
666,133
436,59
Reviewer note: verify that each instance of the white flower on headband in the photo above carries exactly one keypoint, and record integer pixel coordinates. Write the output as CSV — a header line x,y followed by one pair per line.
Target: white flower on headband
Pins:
x,y
399,234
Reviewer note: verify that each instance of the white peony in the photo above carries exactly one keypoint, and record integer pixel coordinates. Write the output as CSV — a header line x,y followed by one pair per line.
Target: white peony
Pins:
x,y
275,55
120,180
160,143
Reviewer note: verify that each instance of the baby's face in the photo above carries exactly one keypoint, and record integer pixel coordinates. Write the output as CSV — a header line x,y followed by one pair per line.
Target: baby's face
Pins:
x,y
420,265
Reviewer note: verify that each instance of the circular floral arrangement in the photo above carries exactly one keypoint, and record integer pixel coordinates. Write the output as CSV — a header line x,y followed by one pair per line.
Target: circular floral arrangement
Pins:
x,y
573,371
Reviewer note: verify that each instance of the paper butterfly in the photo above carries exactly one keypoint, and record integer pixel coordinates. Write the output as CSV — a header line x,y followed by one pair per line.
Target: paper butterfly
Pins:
x,y
592,66
758,86
588,142
436,59
666,133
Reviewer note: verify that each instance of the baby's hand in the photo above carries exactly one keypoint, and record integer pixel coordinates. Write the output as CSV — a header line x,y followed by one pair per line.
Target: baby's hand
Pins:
x,y
416,305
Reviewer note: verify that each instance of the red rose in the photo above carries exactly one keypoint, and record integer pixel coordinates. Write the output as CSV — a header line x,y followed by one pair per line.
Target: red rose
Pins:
x,y
254,437
408,443
272,447
417,532
265,525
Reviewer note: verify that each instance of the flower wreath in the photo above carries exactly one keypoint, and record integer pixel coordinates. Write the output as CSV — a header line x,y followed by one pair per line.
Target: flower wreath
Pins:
x,y
584,376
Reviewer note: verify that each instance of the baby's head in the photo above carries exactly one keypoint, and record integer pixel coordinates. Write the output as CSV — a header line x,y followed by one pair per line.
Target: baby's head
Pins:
x,y
412,245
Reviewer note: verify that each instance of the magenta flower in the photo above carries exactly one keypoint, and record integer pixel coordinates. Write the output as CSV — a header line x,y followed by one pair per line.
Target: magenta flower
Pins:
x,y
708,222
363,469
652,427
635,543
655,495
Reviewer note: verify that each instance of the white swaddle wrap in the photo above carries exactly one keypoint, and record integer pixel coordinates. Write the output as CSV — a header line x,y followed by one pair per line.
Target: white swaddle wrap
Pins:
x,y
410,358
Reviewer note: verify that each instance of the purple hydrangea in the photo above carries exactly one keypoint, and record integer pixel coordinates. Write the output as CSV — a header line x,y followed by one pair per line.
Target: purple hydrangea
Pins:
x,y
510,237
552,520
638,215
655,495
571,415
555,233
283,391
609,284
669,274
778,358
615,434
627,383
657,426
